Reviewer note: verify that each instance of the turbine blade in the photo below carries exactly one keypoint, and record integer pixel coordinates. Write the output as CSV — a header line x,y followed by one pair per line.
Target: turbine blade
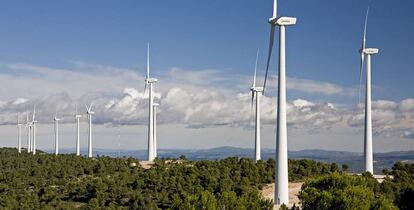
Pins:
x,y
361,69
251,104
255,69
34,113
274,8
269,55
90,107
148,60
365,29
87,108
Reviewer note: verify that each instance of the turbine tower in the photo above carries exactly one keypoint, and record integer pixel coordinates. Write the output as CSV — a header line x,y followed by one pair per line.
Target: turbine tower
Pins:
x,y
77,117
281,182
155,129
89,113
56,134
256,91
34,131
368,153
150,82
19,135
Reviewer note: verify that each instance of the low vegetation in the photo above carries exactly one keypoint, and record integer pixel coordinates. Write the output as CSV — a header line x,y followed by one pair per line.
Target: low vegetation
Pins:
x,y
46,181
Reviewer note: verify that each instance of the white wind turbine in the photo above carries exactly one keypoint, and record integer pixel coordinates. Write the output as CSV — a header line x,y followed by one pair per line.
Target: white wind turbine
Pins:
x,y
19,135
34,131
281,182
89,113
256,91
56,119
368,153
155,105
119,138
29,133
77,117
150,82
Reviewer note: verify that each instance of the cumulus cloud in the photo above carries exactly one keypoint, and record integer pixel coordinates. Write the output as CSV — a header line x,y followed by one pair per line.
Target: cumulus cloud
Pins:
x,y
196,99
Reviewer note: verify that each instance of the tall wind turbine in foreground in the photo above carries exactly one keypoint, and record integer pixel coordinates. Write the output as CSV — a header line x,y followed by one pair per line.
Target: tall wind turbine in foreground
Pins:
x,y
19,135
77,117
155,129
256,91
56,134
281,189
34,131
150,82
368,154
89,113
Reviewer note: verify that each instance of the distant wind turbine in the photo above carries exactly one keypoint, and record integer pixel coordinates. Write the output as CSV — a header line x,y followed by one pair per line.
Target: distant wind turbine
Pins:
x,y
29,133
89,113
56,119
368,153
34,131
19,135
119,138
77,117
155,129
150,82
256,91
281,182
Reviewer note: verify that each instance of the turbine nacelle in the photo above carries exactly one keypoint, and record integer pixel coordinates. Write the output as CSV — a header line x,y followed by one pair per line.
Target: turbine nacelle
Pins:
x,y
371,51
283,21
256,89
56,119
156,104
78,116
151,80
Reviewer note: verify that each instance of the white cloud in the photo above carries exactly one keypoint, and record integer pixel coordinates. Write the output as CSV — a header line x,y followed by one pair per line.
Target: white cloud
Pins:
x,y
196,99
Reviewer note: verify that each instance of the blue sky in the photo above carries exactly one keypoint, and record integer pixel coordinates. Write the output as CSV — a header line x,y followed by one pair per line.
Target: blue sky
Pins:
x,y
216,35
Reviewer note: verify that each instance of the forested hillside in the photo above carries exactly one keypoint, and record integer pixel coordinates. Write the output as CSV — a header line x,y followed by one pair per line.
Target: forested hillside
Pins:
x,y
46,181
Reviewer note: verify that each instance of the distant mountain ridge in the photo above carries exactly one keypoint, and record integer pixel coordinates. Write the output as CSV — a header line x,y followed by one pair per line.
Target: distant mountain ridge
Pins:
x,y
353,159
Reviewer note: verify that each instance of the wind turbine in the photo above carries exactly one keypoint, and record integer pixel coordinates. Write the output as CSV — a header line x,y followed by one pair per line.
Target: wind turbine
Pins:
x,y
150,82
29,133
119,139
19,135
34,131
368,153
281,182
89,113
56,119
77,117
256,91
155,105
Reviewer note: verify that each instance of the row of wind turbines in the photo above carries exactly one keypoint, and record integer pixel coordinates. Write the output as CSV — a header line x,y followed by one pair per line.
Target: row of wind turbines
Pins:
x,y
281,178
31,132
152,125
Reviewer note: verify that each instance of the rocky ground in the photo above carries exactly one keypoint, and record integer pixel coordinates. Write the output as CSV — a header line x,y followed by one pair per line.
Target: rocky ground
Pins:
x,y
294,187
